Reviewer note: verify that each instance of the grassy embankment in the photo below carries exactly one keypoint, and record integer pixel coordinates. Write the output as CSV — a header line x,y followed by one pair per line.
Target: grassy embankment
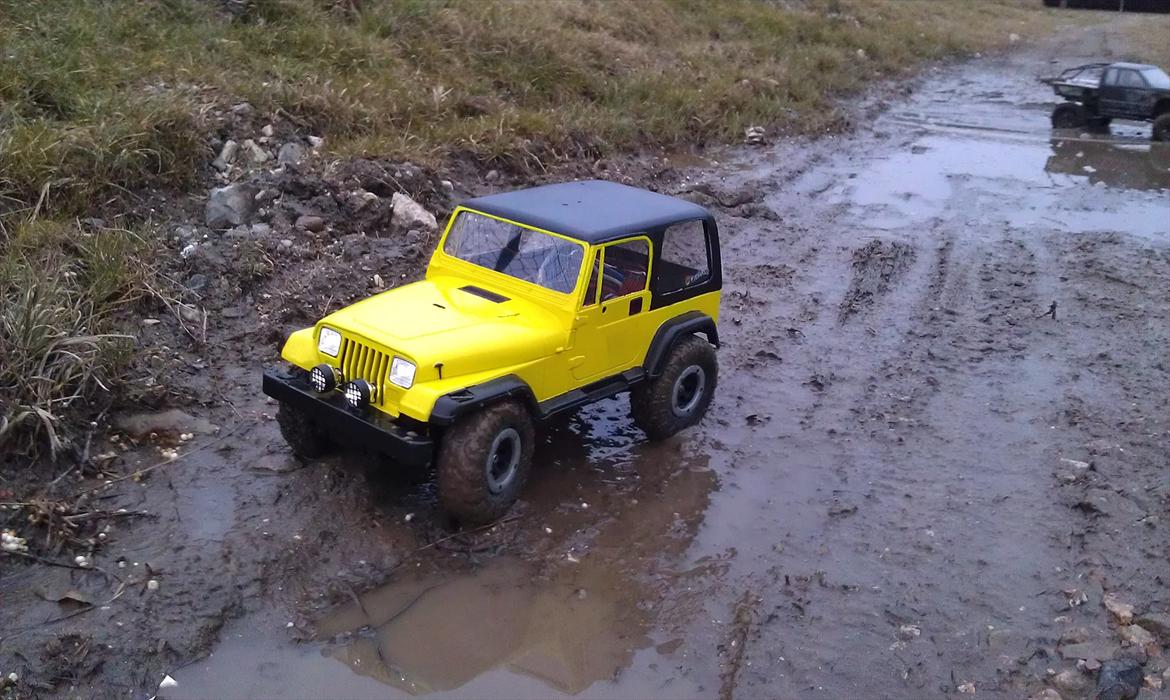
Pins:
x,y
100,99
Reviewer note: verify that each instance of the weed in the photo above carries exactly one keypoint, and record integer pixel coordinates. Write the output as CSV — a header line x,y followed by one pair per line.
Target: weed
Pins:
x,y
61,288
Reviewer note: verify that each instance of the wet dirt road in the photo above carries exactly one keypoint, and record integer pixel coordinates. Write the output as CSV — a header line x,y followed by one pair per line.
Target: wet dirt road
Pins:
x,y
890,497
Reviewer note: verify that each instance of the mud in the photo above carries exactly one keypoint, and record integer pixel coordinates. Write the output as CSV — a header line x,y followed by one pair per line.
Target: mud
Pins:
x,y
914,478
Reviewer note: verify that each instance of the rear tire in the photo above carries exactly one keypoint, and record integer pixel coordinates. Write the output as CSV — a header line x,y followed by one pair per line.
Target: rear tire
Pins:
x,y
678,398
1162,127
306,438
1069,116
484,460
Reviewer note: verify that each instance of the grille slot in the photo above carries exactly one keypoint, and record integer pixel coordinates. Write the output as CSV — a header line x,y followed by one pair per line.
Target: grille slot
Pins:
x,y
360,361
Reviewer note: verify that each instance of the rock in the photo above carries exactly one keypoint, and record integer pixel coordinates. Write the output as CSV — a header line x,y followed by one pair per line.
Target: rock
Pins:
x,y
227,155
360,199
908,632
1138,636
197,282
291,153
315,141
1157,623
286,243
1122,611
257,154
1154,682
492,176
754,136
967,688
190,314
261,229
1119,680
242,108
230,206
1072,681
188,250
448,186
1101,651
311,223
1046,694
410,214
1013,37
839,509
268,130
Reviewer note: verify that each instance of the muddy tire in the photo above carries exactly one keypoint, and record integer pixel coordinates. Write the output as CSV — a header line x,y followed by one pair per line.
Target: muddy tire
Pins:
x,y
302,433
1069,116
1162,128
678,398
484,460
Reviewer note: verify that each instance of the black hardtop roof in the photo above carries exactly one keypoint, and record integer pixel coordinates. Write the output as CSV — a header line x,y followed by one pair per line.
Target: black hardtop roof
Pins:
x,y
594,211
1135,66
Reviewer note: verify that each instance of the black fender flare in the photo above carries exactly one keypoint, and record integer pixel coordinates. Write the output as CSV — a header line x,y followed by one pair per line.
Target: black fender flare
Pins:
x,y
457,403
1161,106
668,333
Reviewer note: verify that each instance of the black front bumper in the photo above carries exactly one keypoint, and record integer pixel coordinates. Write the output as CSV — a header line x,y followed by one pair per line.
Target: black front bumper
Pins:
x,y
370,429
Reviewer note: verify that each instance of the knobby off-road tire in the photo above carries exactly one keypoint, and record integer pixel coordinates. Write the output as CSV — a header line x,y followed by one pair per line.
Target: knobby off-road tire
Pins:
x,y
679,397
1162,128
1069,116
302,433
484,460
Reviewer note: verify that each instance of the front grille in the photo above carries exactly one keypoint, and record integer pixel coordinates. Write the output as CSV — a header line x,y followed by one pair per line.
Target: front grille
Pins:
x,y
359,361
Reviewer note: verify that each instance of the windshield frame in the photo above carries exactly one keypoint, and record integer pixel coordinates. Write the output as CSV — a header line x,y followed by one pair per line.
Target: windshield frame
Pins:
x,y
505,277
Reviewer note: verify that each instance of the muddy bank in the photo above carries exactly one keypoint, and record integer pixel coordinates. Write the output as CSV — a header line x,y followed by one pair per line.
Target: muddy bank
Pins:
x,y
937,451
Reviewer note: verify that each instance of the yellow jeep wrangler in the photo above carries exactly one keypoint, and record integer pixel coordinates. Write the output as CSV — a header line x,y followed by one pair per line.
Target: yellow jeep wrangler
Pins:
x,y
536,302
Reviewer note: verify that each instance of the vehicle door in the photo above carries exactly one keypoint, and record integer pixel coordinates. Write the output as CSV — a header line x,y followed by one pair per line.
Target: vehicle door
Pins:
x,y
1111,95
1126,97
607,335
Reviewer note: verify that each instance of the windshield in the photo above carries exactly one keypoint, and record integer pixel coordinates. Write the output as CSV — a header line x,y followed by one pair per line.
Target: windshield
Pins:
x,y
1157,78
532,256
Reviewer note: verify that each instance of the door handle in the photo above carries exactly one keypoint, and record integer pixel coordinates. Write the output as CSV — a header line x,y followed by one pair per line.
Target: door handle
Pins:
x,y
635,305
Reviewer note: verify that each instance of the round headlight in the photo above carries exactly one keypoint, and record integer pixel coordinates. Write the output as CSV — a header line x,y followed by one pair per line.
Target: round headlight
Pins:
x,y
329,342
324,378
359,393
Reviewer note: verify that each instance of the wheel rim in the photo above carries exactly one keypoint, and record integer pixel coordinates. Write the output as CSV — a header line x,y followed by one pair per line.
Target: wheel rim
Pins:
x,y
688,391
502,460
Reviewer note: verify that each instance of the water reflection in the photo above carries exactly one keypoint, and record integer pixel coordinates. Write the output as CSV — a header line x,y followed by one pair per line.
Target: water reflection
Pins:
x,y
580,614
1115,163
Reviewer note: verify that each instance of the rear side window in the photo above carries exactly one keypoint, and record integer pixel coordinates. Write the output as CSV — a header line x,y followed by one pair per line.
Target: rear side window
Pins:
x,y
1111,76
686,261
1130,78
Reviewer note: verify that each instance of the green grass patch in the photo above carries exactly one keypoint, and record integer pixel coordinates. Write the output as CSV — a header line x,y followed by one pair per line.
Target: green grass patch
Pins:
x,y
98,97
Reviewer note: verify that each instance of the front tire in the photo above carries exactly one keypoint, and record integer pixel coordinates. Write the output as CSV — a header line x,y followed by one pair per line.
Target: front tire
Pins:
x,y
1069,116
678,398
484,460
1162,127
302,433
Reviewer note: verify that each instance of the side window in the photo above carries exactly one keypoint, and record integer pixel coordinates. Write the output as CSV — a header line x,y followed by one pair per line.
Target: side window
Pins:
x,y
624,269
685,260
1110,77
591,290
1130,78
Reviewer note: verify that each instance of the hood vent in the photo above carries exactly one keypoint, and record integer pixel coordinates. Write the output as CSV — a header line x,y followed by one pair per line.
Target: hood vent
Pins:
x,y
483,293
